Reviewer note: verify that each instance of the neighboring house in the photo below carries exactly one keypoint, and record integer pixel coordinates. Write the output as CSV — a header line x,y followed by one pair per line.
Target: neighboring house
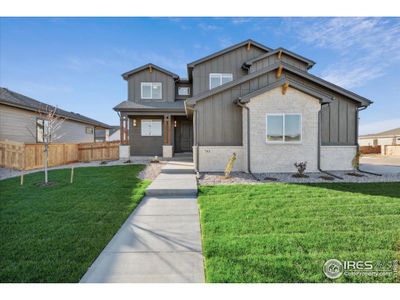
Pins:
x,y
389,137
248,99
20,121
115,134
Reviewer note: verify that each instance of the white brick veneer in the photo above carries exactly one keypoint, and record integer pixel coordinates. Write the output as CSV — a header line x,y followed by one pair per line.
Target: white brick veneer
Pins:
x,y
281,157
337,157
215,158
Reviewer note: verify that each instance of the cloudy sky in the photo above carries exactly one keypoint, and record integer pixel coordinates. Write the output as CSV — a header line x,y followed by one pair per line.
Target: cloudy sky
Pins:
x,y
76,63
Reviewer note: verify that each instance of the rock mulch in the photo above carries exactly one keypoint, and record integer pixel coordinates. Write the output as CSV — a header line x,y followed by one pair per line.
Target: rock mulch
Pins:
x,y
245,178
151,171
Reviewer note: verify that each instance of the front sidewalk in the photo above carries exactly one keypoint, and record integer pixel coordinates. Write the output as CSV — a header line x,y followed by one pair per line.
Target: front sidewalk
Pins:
x,y
160,241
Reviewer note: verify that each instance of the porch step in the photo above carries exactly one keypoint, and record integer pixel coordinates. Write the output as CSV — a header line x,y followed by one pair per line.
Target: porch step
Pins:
x,y
178,167
173,185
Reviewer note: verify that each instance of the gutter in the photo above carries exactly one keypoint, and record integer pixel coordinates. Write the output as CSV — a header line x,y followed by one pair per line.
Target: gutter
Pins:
x,y
358,145
248,137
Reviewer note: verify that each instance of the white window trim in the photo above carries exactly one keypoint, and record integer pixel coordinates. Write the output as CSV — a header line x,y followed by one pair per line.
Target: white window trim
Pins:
x,y
150,120
220,79
283,125
184,87
142,84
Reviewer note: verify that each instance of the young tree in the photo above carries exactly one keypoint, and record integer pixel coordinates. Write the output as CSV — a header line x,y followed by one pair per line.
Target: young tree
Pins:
x,y
47,132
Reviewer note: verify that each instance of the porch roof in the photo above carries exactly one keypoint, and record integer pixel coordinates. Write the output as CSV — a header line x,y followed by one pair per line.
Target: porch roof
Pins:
x,y
162,106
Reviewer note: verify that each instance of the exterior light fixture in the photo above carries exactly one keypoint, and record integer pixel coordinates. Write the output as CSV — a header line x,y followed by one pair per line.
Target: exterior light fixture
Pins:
x,y
134,122
175,123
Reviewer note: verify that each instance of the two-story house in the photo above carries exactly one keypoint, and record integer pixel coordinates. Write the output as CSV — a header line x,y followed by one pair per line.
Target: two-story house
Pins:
x,y
259,103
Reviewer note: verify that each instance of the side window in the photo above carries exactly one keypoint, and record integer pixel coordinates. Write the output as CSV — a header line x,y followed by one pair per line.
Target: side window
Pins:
x,y
283,128
42,127
151,90
217,79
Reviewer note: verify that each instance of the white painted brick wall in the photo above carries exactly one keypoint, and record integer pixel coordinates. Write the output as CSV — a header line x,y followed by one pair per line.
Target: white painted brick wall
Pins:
x,y
281,157
337,157
215,158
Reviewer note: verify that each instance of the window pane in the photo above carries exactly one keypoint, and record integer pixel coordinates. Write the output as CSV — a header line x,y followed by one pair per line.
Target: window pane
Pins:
x,y
183,91
156,128
156,91
146,91
226,78
292,128
215,81
146,127
275,128
39,131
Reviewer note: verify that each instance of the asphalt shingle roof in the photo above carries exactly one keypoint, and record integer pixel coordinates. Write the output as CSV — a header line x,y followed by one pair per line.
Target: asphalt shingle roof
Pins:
x,y
15,99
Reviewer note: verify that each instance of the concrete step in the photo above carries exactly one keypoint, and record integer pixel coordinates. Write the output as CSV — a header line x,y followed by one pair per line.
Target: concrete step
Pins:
x,y
178,168
173,185
150,192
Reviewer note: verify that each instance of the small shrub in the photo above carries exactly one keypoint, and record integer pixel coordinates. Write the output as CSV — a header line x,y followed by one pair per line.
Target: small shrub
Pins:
x,y
104,162
127,161
301,168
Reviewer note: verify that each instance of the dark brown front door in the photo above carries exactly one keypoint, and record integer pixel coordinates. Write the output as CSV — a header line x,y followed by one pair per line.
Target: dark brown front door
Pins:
x,y
184,136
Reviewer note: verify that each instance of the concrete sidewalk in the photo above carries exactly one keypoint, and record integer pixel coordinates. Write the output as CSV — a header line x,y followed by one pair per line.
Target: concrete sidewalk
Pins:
x,y
161,239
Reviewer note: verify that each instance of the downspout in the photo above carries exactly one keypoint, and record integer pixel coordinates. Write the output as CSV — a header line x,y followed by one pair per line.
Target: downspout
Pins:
x,y
319,147
248,138
195,115
358,146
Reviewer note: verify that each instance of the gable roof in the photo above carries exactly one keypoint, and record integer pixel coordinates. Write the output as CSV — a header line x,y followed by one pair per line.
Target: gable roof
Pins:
x,y
292,83
146,66
223,51
15,99
310,63
387,133
363,101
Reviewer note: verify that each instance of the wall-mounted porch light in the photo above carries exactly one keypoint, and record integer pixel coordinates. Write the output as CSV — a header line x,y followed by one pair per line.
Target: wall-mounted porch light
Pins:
x,y
134,122
175,123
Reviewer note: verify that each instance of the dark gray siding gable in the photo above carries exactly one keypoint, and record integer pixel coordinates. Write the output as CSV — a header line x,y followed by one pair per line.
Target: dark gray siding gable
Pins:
x,y
220,120
338,119
168,85
230,62
269,60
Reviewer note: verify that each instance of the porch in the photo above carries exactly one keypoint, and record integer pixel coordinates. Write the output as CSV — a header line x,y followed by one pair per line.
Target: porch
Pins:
x,y
156,134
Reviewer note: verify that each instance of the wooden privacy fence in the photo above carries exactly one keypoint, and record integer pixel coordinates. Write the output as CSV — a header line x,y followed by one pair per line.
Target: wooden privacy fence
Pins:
x,y
370,149
392,150
31,156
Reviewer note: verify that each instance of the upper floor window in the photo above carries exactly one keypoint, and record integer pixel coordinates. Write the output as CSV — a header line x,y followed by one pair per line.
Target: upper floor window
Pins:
x,y
283,128
151,90
217,79
183,91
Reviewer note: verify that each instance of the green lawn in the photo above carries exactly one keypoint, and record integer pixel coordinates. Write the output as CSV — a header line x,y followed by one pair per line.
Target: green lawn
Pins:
x,y
53,234
285,232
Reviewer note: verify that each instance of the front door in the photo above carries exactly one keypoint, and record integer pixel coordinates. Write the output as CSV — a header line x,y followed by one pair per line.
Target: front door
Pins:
x,y
184,136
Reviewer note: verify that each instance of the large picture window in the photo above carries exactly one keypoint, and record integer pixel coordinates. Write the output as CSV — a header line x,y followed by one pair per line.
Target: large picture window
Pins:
x,y
42,127
217,79
151,128
283,128
151,90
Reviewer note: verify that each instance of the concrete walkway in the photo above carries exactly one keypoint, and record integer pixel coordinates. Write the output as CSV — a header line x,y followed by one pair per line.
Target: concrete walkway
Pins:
x,y
161,239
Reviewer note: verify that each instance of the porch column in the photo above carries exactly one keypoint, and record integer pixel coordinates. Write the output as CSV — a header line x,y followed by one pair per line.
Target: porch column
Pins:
x,y
124,148
124,129
167,147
